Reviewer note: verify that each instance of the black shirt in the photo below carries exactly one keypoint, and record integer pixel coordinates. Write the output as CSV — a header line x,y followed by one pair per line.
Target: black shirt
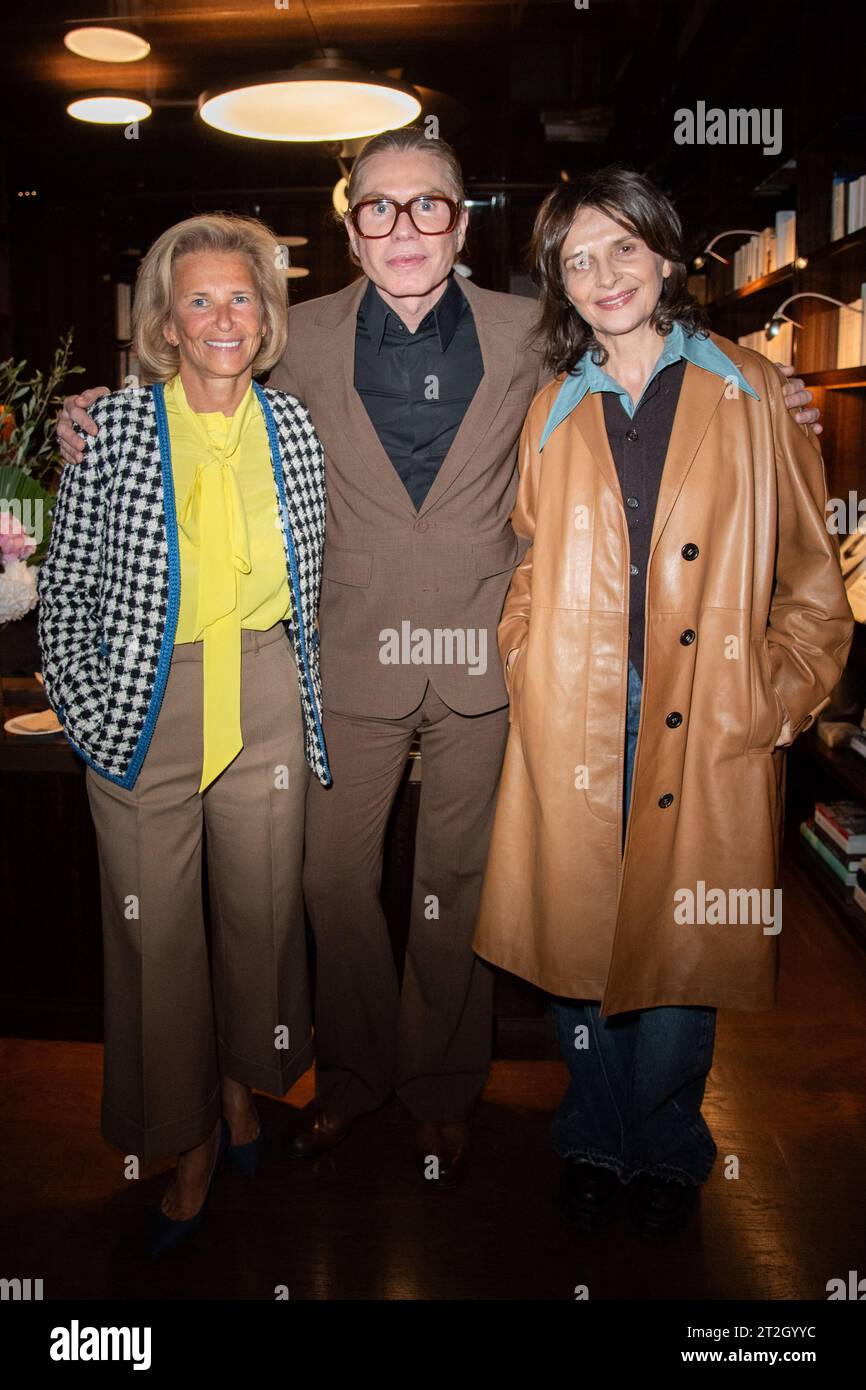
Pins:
x,y
639,447
417,386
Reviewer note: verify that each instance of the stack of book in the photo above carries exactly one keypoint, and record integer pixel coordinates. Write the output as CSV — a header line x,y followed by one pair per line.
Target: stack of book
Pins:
x,y
837,834
769,250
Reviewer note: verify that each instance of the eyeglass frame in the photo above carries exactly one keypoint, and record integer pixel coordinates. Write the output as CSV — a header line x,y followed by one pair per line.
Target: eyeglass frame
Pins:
x,y
456,208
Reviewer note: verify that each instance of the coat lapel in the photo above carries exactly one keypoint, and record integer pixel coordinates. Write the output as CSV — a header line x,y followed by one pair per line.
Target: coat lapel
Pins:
x,y
700,395
589,418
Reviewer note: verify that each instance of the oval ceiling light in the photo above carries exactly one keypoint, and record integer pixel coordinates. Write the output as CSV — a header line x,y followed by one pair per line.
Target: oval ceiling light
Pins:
x,y
109,108
322,100
104,45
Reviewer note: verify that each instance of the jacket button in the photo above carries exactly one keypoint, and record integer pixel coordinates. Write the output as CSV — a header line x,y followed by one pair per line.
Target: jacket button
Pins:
x,y
421,525
690,551
674,719
666,800
632,502
631,436
687,636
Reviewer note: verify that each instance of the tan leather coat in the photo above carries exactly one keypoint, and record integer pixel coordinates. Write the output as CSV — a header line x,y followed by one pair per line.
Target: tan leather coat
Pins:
x,y
748,628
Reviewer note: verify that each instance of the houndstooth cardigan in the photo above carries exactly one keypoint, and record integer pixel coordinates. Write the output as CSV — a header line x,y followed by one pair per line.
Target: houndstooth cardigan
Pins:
x,y
109,589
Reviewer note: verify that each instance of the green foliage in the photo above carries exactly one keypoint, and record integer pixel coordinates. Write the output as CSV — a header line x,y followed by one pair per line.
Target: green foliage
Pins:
x,y
31,445
35,509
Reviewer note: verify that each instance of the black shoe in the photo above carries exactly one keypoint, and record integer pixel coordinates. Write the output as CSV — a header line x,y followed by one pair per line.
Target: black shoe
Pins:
x,y
589,1196
661,1206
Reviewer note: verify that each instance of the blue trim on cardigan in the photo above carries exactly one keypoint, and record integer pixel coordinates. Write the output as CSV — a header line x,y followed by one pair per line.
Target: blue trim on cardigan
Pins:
x,y
86,758
277,466
129,778
173,609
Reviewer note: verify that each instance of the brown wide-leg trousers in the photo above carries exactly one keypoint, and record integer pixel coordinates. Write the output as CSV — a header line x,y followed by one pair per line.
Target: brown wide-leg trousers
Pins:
x,y
431,1040
173,1025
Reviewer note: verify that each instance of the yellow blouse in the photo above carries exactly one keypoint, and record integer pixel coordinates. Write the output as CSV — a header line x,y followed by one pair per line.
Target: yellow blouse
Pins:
x,y
232,561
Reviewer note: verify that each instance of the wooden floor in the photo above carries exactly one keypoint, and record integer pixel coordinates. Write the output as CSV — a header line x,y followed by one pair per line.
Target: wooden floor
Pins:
x,y
787,1097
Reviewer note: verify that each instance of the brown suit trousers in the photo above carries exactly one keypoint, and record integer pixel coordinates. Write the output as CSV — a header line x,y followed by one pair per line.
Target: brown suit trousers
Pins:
x,y
445,567
174,1023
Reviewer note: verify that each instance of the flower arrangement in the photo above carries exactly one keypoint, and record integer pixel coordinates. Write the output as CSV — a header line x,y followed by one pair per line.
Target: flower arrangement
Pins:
x,y
30,464
17,579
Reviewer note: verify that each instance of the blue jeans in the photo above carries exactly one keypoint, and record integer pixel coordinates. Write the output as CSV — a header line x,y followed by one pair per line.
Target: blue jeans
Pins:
x,y
637,1079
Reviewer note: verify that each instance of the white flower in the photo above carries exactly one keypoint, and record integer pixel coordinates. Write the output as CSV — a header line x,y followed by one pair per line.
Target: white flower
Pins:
x,y
17,591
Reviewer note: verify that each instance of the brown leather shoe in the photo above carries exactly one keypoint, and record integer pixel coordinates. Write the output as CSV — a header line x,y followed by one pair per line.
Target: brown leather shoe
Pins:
x,y
442,1153
317,1132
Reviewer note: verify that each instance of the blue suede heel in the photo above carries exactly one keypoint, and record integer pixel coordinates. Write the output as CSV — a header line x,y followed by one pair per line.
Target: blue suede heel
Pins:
x,y
167,1234
247,1157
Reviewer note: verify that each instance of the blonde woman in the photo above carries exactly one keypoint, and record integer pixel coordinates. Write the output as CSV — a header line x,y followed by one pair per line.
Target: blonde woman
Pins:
x,y
180,651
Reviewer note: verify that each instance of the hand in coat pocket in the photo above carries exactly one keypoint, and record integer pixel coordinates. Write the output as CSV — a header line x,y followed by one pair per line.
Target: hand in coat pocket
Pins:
x,y
511,661
770,727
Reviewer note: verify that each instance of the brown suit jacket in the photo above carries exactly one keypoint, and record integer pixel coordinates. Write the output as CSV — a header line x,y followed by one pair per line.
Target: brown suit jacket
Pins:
x,y
389,568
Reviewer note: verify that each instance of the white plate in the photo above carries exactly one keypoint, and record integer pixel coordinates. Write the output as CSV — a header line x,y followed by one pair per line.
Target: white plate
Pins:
x,y
44,724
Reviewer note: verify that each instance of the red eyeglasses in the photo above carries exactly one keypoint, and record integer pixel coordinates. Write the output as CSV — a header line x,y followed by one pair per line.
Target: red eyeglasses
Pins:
x,y
430,214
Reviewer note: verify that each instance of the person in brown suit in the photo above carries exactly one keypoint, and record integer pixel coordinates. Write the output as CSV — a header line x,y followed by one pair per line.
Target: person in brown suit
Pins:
x,y
418,382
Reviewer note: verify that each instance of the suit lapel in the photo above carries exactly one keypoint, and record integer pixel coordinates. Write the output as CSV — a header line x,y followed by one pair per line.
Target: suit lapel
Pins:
x,y
340,318
498,351
700,395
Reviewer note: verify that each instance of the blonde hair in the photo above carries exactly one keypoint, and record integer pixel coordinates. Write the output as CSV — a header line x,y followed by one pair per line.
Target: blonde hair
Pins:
x,y
154,289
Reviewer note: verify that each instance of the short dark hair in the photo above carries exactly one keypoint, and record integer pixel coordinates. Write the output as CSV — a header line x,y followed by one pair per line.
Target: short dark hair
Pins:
x,y
642,209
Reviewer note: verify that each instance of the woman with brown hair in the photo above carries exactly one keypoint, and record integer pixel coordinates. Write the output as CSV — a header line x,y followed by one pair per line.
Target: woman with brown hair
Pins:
x,y
677,620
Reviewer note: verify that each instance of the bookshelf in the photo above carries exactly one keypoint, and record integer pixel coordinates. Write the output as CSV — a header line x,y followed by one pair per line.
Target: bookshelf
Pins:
x,y
835,265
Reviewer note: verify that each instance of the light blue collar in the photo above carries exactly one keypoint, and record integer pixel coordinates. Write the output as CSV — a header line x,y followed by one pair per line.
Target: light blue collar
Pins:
x,y
701,351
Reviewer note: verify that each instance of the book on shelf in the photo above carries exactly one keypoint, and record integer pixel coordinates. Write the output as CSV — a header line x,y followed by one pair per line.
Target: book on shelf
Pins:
x,y
837,209
857,744
844,822
842,872
849,863
855,204
860,897
851,333
785,237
